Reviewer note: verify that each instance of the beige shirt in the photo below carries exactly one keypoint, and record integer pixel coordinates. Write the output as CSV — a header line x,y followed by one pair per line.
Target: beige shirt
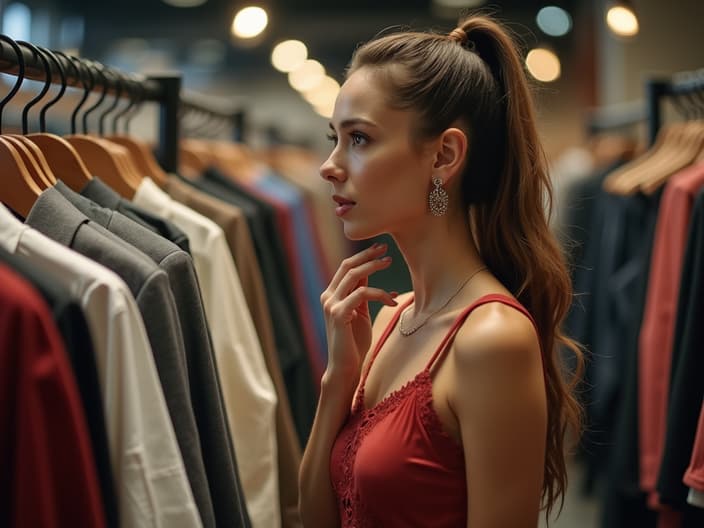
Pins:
x,y
234,224
150,479
250,398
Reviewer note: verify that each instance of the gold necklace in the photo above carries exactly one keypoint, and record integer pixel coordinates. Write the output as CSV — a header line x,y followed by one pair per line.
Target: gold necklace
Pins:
x,y
404,332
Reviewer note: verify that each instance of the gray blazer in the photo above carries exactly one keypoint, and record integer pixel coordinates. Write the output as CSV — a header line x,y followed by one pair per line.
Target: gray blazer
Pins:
x,y
54,216
208,407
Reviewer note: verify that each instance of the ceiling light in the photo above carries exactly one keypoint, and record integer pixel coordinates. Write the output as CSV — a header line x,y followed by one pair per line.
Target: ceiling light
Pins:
x,y
325,110
543,64
554,21
184,3
325,92
622,20
306,76
289,55
249,22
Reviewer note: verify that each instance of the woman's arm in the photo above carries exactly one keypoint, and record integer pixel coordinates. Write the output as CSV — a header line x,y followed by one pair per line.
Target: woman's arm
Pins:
x,y
349,332
498,396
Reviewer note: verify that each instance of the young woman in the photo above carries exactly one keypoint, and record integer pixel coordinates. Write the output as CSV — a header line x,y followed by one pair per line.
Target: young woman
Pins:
x,y
451,410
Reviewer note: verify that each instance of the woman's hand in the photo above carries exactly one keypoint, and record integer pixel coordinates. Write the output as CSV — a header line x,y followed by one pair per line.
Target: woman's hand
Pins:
x,y
346,308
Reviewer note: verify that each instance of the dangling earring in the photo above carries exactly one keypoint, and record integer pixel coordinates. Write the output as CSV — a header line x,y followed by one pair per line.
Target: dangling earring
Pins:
x,y
438,199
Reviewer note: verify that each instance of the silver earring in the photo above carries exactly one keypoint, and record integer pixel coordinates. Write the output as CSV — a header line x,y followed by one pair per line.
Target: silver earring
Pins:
x,y
438,198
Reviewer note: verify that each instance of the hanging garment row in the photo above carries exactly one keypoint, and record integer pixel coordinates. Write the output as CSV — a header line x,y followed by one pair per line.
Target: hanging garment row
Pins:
x,y
637,229
172,316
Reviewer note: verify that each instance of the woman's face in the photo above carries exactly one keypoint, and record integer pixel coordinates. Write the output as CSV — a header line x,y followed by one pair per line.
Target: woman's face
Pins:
x,y
380,180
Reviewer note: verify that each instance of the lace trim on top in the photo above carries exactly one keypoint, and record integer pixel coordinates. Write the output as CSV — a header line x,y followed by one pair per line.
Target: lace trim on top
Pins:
x,y
422,387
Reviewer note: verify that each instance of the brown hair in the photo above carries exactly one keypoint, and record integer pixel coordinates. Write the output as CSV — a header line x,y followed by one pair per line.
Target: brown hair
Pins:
x,y
478,78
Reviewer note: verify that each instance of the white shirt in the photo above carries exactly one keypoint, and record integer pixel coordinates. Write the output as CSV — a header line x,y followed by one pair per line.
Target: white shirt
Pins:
x,y
150,479
249,394
696,498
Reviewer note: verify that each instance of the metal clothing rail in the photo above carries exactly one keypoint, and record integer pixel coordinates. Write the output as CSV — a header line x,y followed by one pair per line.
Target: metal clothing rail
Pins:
x,y
162,89
614,117
236,116
680,84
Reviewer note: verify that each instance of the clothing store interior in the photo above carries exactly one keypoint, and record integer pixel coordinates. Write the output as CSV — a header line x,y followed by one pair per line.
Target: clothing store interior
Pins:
x,y
165,237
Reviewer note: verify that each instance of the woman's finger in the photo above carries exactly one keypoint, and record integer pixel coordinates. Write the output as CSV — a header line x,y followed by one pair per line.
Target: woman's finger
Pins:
x,y
373,251
358,276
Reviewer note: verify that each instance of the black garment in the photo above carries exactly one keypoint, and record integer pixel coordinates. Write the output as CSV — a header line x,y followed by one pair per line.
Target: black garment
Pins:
x,y
278,286
206,397
623,502
686,386
72,326
55,217
102,194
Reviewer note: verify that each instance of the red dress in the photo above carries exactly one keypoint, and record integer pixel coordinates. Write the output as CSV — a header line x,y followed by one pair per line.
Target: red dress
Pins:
x,y
394,465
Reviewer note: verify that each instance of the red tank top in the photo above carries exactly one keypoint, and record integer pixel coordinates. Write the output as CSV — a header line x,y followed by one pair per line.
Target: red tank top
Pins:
x,y
393,465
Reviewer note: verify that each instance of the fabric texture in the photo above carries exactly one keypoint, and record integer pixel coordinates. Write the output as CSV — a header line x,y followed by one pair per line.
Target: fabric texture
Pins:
x,y
45,451
250,398
102,194
150,480
657,331
73,328
53,215
393,464
290,345
200,374
686,388
234,225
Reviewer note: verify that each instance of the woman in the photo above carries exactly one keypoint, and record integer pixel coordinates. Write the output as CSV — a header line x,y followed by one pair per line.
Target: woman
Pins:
x,y
457,413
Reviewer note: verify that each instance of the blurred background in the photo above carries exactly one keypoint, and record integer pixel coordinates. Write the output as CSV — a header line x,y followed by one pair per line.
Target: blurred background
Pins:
x,y
278,64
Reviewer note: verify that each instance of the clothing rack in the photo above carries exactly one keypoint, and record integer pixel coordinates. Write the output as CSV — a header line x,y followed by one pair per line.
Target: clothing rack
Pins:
x,y
236,117
162,89
680,84
615,117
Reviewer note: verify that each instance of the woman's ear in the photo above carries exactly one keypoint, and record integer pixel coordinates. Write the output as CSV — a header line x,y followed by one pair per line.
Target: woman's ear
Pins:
x,y
450,154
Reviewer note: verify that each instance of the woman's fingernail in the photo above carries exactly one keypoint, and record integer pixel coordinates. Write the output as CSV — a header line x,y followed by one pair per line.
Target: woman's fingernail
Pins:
x,y
385,259
393,294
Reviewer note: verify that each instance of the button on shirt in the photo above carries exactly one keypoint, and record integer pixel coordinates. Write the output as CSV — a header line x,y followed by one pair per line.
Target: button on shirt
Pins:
x,y
250,398
151,482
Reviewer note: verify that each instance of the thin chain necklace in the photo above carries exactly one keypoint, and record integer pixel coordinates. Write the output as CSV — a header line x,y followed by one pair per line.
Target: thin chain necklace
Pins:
x,y
406,332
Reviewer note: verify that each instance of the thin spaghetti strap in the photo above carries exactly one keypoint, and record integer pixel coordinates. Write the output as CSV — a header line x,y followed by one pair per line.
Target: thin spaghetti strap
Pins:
x,y
382,340
492,297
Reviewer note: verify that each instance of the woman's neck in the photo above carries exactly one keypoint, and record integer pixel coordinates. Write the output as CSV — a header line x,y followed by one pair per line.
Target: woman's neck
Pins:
x,y
440,256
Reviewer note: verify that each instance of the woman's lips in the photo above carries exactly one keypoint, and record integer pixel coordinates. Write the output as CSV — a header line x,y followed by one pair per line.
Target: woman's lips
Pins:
x,y
343,205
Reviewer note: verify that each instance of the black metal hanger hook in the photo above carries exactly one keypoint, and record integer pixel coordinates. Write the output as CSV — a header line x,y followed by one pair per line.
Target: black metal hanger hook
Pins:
x,y
118,92
20,74
59,94
45,88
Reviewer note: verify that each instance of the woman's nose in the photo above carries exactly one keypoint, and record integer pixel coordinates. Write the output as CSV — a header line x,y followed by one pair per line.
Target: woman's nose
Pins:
x,y
330,170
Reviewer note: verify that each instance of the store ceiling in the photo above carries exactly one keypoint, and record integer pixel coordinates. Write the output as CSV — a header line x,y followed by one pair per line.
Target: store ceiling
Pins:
x,y
331,29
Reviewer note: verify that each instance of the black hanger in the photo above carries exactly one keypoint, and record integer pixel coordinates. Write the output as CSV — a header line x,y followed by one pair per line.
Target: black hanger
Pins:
x,y
20,74
59,94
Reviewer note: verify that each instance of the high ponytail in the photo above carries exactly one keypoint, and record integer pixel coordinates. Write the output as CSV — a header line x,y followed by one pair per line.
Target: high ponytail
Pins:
x,y
478,78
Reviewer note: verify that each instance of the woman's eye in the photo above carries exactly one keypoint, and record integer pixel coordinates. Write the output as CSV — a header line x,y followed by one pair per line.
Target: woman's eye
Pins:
x,y
358,139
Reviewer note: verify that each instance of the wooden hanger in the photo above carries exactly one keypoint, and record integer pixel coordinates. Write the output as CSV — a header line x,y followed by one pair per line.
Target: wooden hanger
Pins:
x,y
142,157
626,180
18,190
35,169
688,149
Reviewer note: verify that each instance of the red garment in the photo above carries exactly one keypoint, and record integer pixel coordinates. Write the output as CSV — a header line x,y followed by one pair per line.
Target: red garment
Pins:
x,y
394,465
694,477
47,471
284,221
656,337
